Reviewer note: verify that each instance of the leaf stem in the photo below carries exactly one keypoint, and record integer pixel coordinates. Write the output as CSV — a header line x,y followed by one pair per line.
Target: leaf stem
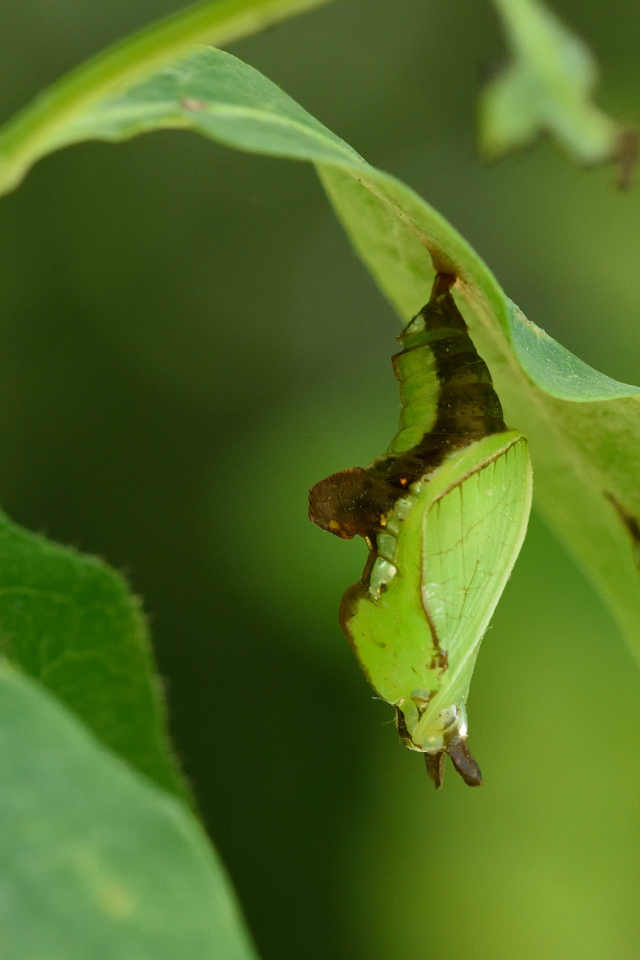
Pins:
x,y
25,136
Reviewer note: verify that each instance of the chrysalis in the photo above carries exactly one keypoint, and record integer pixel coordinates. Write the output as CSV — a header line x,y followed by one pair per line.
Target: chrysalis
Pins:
x,y
444,513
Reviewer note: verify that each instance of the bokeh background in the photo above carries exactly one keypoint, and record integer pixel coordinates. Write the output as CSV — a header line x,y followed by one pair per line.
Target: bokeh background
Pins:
x,y
187,343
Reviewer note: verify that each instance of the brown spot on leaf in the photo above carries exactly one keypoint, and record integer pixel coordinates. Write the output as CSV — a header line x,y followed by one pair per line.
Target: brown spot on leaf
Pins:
x,y
440,659
631,522
190,103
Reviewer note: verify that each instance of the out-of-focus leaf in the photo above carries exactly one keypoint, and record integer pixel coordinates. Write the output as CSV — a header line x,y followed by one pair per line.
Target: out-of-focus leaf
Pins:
x,y
97,863
70,621
546,88
584,428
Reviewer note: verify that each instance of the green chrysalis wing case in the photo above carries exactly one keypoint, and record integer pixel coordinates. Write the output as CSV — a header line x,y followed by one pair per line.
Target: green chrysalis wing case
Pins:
x,y
444,513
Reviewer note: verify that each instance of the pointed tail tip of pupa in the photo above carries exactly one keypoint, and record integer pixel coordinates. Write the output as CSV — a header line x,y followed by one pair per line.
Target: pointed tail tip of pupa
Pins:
x,y
435,767
463,761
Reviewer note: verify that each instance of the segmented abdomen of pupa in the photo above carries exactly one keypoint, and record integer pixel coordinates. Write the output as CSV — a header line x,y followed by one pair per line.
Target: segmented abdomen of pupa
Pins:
x,y
448,399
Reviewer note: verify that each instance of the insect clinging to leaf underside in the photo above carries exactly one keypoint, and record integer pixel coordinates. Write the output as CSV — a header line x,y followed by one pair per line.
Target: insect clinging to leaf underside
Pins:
x,y
444,513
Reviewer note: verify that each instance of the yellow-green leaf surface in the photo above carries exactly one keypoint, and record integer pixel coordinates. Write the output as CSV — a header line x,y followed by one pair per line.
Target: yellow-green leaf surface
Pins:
x,y
583,427
96,862
546,88
70,621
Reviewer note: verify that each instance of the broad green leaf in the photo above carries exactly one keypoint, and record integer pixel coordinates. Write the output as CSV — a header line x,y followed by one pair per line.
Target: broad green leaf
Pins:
x,y
583,428
97,863
561,373
586,450
70,621
546,88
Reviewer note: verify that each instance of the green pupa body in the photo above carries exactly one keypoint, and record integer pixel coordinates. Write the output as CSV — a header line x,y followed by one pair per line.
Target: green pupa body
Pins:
x,y
444,513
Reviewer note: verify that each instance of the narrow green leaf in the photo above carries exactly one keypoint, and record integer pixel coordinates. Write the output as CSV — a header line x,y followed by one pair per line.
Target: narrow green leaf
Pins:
x,y
584,453
96,863
546,88
33,131
219,96
69,621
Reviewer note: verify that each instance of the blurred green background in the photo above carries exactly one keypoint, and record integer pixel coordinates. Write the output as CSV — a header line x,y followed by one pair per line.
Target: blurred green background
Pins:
x,y
187,343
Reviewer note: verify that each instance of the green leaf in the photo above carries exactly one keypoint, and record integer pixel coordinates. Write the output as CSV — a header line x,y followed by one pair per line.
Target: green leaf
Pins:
x,y
561,373
546,88
585,451
96,863
69,621
33,132
583,428
217,95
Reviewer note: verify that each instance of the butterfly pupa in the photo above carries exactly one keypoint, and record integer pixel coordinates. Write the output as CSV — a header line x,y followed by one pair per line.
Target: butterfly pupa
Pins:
x,y
444,513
